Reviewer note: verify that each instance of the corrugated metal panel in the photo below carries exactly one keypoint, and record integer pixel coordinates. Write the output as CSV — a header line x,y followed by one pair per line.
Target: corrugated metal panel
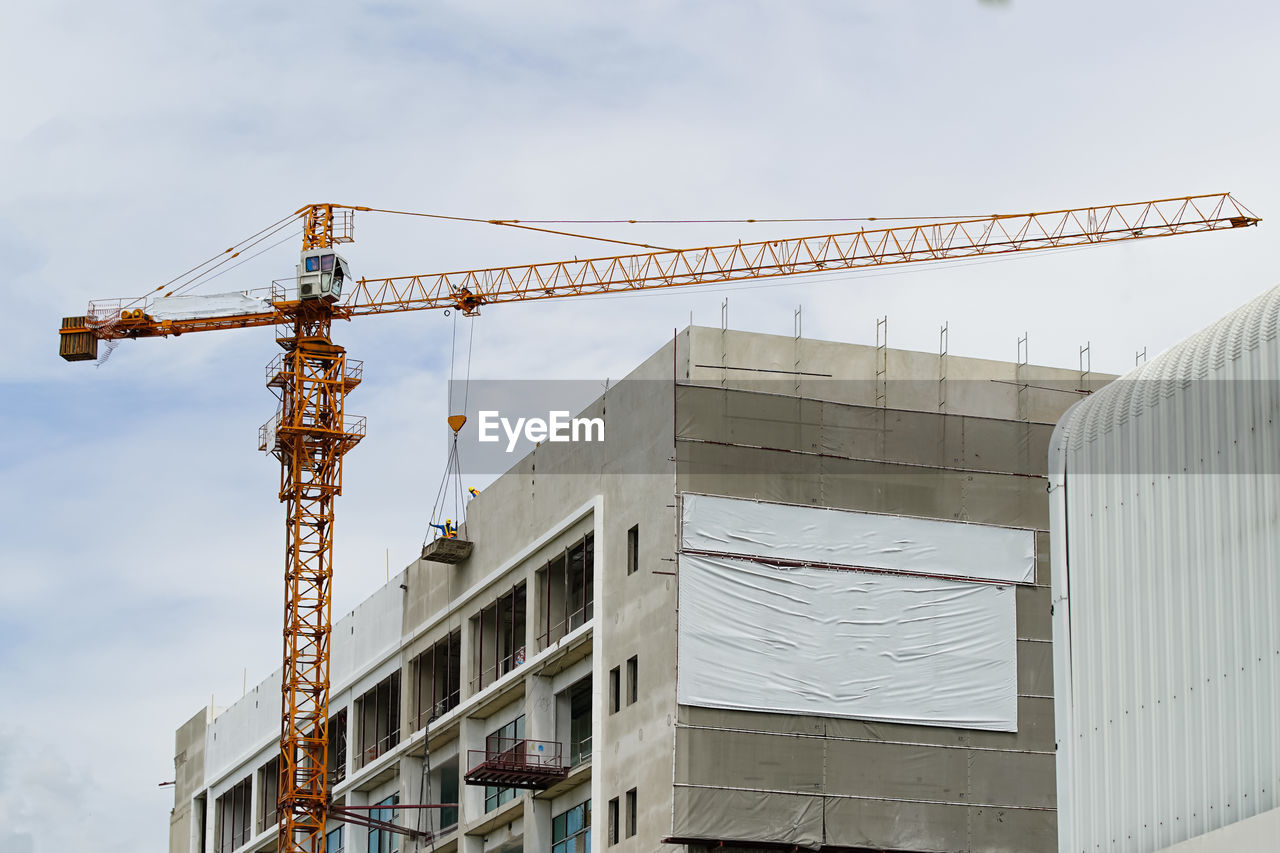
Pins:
x,y
1166,550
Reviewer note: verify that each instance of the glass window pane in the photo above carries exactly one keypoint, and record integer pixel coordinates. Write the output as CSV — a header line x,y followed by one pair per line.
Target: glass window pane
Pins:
x,y
313,264
326,263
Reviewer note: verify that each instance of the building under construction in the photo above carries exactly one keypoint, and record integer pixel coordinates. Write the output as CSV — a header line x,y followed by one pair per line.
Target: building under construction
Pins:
x,y
796,598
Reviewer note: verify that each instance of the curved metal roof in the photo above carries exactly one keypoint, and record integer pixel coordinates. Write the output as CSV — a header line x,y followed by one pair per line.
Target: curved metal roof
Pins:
x,y
1208,354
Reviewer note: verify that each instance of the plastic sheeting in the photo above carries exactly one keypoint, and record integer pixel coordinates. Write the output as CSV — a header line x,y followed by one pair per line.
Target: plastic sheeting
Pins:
x,y
844,643
761,816
864,540
935,440
210,305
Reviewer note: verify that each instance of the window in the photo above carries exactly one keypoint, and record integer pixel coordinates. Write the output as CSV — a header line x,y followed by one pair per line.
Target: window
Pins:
x,y
580,722
633,678
232,817
384,840
571,830
268,794
613,821
633,550
338,747
201,805
615,696
566,599
498,631
436,679
333,842
509,737
448,794
378,719
631,812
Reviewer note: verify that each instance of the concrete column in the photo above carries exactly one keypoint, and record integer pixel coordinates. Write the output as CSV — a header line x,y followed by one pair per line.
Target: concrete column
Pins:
x,y
537,824
466,660
539,724
407,691
540,708
410,774
470,797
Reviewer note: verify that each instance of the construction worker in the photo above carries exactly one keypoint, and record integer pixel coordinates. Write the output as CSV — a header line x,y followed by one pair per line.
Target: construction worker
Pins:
x,y
473,490
447,530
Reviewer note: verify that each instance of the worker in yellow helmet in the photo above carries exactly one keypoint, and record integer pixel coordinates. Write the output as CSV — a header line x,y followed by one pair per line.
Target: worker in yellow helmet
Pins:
x,y
447,530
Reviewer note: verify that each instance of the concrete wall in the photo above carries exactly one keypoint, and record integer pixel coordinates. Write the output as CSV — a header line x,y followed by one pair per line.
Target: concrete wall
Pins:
x,y
809,780
517,524
188,765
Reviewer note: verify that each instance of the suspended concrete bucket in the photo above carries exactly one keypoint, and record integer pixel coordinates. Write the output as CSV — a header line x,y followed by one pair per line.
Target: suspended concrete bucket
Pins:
x,y
452,551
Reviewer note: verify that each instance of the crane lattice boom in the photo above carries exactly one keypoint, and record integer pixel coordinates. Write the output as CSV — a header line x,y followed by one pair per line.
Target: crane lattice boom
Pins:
x,y
468,290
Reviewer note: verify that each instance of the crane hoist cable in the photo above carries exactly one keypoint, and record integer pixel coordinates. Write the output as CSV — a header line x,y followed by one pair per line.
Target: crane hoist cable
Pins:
x,y
424,792
451,491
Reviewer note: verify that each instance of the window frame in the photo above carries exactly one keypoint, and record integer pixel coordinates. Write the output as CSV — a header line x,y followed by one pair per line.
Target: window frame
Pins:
x,y
233,818
338,747
373,745
561,822
580,715
613,822
377,837
442,661
494,797
633,549
506,650
268,794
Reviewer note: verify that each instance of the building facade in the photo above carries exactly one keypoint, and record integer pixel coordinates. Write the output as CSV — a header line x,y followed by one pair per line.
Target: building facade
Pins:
x,y
797,596
1166,600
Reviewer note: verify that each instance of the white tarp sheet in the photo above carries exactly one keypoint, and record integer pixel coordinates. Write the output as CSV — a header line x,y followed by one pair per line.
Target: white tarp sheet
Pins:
x,y
844,643
858,539
210,305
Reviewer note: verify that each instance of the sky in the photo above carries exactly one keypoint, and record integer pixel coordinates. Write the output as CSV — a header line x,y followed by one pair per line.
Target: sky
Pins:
x,y
141,540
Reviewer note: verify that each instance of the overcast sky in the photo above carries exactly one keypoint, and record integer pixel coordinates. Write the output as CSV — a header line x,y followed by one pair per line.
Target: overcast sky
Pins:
x,y
140,535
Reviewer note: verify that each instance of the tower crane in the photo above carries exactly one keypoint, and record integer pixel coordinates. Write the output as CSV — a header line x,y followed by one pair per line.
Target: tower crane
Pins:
x,y
312,432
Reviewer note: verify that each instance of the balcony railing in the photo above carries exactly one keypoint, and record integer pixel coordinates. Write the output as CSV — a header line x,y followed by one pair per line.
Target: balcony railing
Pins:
x,y
430,712
383,745
491,674
559,630
579,751
516,763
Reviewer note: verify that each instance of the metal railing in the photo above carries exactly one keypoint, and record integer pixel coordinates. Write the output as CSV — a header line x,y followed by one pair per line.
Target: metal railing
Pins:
x,y
370,753
443,706
566,626
504,665
352,370
579,751
517,755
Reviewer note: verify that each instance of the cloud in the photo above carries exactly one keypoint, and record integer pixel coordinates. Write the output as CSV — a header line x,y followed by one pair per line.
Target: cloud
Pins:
x,y
140,541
